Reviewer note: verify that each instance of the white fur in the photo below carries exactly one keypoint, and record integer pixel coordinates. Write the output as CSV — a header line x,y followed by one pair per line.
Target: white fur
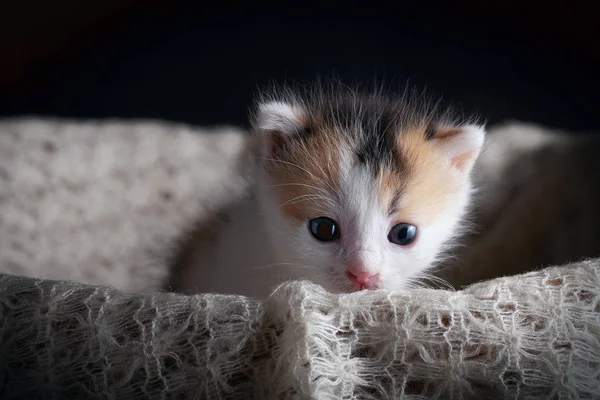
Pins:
x,y
278,117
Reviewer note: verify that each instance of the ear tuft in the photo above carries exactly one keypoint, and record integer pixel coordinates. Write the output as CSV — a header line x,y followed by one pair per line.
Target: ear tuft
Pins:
x,y
461,144
279,117
275,122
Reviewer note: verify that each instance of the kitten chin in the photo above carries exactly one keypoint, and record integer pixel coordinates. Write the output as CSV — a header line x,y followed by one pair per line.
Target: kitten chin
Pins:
x,y
352,190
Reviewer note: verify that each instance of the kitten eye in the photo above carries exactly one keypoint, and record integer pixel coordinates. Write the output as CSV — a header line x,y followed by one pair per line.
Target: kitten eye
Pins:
x,y
324,229
403,234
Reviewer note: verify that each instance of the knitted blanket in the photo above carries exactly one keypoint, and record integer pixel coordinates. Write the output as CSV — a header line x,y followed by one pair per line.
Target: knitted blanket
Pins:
x,y
89,213
101,203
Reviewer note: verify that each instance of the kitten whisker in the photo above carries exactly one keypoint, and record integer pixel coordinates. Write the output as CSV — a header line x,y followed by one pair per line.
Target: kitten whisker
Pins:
x,y
302,169
272,265
284,264
305,197
293,165
425,277
322,191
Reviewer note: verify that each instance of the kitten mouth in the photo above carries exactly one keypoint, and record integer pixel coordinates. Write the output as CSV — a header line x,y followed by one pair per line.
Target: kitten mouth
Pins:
x,y
355,287
344,285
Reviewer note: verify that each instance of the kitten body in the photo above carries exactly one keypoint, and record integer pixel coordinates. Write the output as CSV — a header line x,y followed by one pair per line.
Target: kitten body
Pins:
x,y
350,190
536,204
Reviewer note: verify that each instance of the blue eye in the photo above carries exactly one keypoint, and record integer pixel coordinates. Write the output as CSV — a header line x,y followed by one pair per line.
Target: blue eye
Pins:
x,y
324,229
403,234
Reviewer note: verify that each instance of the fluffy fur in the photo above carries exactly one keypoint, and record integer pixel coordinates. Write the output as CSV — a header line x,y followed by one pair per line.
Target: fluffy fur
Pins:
x,y
365,159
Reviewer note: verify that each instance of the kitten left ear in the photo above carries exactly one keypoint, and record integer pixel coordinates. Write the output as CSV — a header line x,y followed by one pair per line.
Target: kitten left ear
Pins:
x,y
275,123
461,144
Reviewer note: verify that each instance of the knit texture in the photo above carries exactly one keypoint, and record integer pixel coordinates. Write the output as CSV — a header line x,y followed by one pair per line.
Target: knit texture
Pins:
x,y
533,336
84,204
101,202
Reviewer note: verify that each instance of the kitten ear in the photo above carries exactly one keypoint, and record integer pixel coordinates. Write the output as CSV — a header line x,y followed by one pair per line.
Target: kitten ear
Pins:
x,y
275,123
461,144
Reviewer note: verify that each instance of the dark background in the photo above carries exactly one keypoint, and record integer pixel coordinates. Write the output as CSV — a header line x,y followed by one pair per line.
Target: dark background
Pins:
x,y
201,63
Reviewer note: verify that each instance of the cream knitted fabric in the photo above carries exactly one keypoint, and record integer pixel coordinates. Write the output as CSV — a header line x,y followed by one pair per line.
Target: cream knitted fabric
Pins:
x,y
529,337
102,203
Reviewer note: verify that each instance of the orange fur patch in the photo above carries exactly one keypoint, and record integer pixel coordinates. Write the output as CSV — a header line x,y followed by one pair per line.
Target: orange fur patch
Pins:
x,y
391,186
429,182
308,176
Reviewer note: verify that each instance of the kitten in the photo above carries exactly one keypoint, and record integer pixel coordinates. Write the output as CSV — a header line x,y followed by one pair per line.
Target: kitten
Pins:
x,y
351,190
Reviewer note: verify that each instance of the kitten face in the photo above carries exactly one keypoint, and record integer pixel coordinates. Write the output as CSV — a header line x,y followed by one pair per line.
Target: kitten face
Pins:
x,y
360,192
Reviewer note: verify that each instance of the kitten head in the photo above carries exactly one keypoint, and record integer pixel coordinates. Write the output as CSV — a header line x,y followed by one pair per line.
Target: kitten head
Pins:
x,y
360,191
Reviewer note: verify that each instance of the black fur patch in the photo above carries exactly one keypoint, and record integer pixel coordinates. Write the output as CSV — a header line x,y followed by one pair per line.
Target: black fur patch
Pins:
x,y
371,124
430,131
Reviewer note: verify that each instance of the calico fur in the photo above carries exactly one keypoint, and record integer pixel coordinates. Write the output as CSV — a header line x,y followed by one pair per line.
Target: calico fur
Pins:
x,y
366,159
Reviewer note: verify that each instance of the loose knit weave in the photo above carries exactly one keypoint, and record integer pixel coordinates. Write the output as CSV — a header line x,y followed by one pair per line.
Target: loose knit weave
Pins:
x,y
532,336
84,204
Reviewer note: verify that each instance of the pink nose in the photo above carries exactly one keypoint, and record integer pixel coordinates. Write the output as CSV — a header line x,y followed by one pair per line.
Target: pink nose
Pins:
x,y
362,278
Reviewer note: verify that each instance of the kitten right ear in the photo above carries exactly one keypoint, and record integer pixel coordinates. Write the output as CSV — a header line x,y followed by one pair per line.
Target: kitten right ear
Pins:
x,y
275,123
461,145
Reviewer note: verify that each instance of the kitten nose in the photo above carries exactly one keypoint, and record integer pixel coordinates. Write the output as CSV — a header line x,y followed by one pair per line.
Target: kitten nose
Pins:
x,y
362,278
360,275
